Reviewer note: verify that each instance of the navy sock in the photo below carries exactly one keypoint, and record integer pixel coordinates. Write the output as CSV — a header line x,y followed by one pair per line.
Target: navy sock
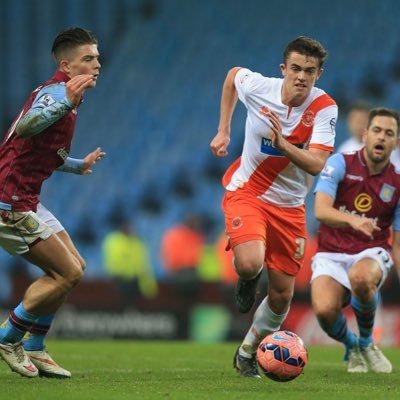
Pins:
x,y
365,315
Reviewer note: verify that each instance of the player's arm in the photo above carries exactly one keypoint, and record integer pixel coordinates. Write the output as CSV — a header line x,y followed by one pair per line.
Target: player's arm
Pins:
x,y
325,195
51,104
229,99
82,166
310,160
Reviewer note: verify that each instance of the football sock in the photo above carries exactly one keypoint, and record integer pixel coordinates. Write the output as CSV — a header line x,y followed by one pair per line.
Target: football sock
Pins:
x,y
365,315
341,332
15,326
265,321
34,338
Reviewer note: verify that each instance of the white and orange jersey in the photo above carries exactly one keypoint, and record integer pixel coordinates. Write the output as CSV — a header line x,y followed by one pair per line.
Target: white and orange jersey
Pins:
x,y
262,169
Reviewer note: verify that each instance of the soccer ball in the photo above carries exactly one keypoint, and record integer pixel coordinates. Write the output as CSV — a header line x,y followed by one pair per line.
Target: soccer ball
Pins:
x,y
282,356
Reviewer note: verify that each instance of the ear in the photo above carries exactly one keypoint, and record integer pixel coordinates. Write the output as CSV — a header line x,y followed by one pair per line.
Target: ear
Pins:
x,y
65,66
321,70
364,136
283,69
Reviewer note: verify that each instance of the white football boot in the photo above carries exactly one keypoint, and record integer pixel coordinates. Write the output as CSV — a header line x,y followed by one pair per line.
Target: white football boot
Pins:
x,y
356,363
376,359
15,356
47,367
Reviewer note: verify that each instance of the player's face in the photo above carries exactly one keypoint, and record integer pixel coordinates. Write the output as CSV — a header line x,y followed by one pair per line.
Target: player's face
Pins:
x,y
381,138
83,60
299,76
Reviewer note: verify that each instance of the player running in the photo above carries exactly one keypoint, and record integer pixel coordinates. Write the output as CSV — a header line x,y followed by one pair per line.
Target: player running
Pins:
x,y
289,134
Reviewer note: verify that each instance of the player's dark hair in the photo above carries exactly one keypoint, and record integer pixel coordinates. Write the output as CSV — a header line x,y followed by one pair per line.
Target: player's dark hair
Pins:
x,y
359,106
69,39
384,112
306,47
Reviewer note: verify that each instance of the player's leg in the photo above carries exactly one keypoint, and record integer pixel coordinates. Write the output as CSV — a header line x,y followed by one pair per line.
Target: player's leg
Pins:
x,y
330,291
245,224
248,263
43,297
34,340
366,274
286,229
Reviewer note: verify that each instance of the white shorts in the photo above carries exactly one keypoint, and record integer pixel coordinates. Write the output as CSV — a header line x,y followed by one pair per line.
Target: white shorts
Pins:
x,y
19,230
337,265
48,218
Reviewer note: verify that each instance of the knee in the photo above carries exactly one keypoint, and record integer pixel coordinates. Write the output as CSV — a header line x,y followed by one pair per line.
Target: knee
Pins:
x,y
361,285
325,313
248,267
74,275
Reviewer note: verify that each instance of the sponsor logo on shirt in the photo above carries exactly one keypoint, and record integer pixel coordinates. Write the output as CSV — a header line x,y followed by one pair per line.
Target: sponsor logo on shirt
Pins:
x,y
354,177
387,193
268,148
332,123
345,210
363,202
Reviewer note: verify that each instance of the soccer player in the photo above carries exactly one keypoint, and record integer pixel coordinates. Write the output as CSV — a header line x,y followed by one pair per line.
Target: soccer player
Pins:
x,y
357,201
37,143
289,134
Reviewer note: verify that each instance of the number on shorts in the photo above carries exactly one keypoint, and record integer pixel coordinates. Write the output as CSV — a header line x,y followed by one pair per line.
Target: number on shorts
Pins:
x,y
301,244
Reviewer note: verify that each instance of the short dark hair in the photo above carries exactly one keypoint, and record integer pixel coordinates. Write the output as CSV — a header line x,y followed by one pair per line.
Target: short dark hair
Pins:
x,y
359,106
307,47
69,39
384,112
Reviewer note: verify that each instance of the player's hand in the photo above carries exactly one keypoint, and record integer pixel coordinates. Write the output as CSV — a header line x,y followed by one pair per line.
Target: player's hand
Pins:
x,y
91,159
277,139
76,86
365,226
220,143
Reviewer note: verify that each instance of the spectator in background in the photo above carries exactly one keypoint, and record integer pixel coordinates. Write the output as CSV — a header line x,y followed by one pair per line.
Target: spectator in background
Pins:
x,y
356,121
126,259
181,252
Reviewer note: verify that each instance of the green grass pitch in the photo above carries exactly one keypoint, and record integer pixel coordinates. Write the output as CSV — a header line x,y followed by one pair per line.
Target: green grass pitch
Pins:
x,y
186,370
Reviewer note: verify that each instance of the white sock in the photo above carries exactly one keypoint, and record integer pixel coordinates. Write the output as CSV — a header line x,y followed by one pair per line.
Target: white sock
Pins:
x,y
265,321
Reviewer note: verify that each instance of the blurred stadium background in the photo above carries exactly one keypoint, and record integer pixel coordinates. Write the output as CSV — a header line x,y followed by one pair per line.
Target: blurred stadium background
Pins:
x,y
154,112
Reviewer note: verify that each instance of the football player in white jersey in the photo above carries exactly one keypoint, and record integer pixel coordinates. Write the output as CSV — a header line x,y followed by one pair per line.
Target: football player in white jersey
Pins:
x,y
289,134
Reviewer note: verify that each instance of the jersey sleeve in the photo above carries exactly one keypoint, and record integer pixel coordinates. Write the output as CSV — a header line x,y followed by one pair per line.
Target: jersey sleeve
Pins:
x,y
49,106
324,131
332,174
247,82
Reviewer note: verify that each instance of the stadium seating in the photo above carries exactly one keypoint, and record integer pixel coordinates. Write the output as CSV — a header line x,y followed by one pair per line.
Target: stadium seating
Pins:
x,y
156,106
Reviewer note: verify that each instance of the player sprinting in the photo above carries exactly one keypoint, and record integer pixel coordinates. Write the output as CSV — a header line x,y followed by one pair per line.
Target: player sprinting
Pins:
x,y
357,201
37,143
289,134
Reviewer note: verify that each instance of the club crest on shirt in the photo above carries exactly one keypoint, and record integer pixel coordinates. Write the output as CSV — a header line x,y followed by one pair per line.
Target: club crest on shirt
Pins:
x,y
308,118
387,193
264,111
